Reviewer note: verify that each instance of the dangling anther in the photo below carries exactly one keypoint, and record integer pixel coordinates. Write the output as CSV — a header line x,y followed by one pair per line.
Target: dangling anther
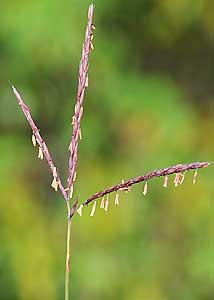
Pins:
x,y
40,155
93,209
71,191
86,81
102,204
54,172
177,179
165,183
73,120
55,184
75,176
195,175
79,210
182,178
145,189
116,201
92,46
33,140
80,134
106,203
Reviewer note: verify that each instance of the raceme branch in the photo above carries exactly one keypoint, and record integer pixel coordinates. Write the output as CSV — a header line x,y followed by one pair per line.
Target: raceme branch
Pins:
x,y
43,149
179,170
83,83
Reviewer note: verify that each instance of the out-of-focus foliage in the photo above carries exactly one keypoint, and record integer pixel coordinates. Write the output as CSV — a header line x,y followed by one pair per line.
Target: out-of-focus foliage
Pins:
x,y
150,104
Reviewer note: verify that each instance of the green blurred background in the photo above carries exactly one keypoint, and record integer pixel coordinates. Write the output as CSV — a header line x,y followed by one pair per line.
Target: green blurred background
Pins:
x,y
150,104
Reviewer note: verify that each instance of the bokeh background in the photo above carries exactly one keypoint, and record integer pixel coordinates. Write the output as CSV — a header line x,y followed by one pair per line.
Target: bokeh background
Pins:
x,y
150,104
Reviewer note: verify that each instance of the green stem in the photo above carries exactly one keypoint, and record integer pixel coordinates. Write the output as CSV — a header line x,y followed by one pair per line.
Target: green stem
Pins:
x,y
67,263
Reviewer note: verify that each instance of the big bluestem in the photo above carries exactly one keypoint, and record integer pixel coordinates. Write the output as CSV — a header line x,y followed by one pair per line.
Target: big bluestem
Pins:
x,y
67,192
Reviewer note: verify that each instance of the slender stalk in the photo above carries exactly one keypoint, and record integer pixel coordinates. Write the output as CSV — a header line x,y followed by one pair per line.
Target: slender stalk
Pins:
x,y
67,263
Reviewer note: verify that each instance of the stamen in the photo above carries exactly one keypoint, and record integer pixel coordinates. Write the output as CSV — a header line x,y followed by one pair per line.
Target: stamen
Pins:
x,y
86,81
92,46
70,147
54,172
102,204
80,134
195,175
55,184
34,140
165,184
93,209
106,203
116,201
182,178
79,210
177,179
75,176
81,112
145,190
40,155
71,191
73,120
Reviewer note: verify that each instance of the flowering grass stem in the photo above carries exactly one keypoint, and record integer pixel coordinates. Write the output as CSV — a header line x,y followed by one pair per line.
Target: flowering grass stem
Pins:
x,y
67,192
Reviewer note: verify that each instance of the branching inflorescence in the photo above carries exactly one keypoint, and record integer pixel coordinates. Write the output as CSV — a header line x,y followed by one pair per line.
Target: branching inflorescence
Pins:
x,y
67,192
43,152
76,119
